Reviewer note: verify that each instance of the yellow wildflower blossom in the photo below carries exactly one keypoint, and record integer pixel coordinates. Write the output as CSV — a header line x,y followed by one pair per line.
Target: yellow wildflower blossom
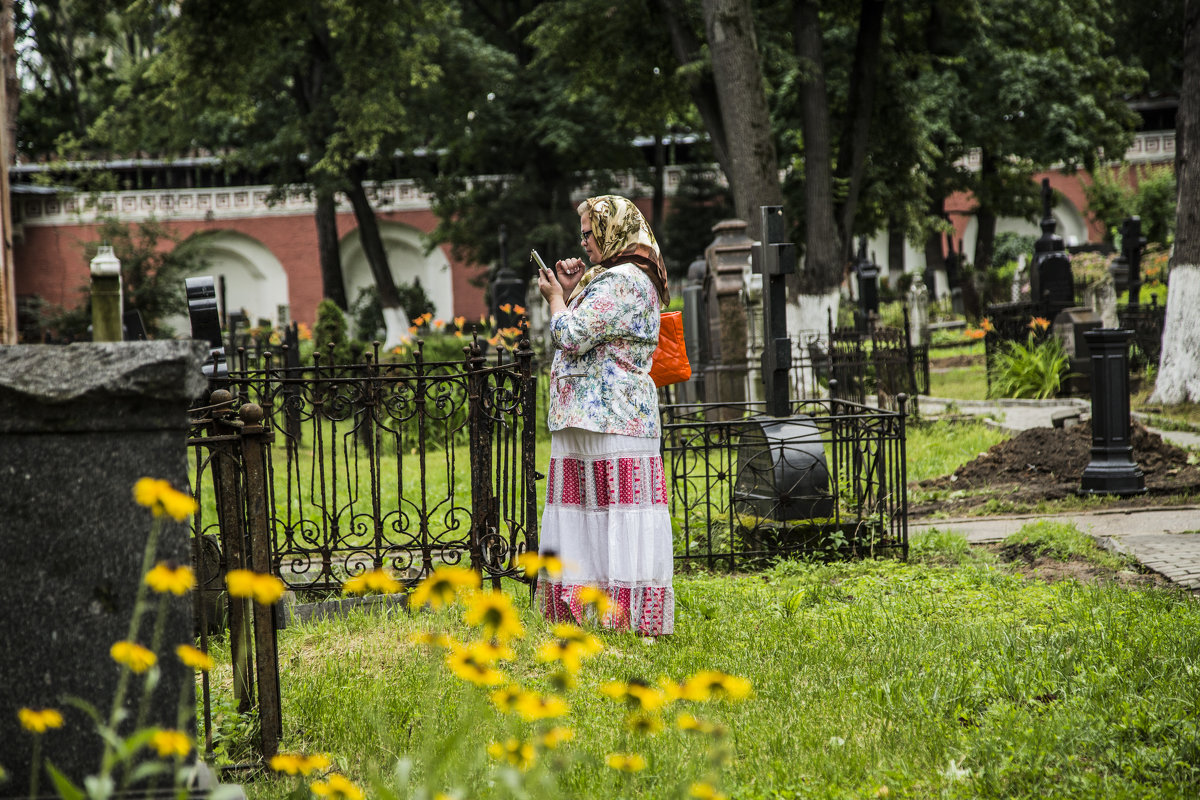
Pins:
x,y
626,762
336,787
532,563
573,633
490,652
520,754
643,723
705,791
431,639
531,706
194,657
376,581
133,655
709,684
495,612
40,720
265,589
158,496
593,597
297,764
570,654
171,743
460,321
505,699
556,736
467,665
690,723
166,577
442,586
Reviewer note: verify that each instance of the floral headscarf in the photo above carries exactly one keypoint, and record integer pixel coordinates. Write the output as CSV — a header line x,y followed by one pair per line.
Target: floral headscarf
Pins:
x,y
623,236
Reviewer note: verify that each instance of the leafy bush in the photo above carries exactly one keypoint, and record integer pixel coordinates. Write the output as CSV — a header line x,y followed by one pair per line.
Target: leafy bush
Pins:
x,y
1034,369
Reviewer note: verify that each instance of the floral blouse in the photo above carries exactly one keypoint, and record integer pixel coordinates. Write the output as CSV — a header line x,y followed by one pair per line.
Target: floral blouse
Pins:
x,y
600,377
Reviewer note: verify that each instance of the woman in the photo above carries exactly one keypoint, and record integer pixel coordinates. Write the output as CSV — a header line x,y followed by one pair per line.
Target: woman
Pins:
x,y
606,514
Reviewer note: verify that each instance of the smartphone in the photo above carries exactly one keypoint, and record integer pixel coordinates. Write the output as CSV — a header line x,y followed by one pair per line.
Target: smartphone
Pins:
x,y
537,259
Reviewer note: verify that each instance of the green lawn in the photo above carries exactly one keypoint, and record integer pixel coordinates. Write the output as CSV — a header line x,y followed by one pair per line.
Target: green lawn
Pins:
x,y
950,676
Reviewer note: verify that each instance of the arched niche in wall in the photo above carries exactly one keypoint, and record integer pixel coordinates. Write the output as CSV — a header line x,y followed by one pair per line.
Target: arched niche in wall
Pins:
x,y
407,260
1072,227
255,281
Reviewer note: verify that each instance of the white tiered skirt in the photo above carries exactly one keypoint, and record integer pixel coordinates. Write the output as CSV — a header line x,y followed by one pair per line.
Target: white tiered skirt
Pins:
x,y
607,519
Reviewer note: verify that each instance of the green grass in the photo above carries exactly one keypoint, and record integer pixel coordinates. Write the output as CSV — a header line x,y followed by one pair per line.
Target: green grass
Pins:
x,y
1062,541
938,448
935,681
959,383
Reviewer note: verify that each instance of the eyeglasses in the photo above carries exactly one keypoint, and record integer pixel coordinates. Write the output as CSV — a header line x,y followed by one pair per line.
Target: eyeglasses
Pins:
x,y
583,237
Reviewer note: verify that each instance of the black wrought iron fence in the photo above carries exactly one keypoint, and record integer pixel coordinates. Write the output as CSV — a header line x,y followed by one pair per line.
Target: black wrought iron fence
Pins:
x,y
747,488
1147,323
877,366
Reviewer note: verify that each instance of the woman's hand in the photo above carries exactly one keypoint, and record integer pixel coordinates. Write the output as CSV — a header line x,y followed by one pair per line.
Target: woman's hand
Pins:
x,y
569,271
549,286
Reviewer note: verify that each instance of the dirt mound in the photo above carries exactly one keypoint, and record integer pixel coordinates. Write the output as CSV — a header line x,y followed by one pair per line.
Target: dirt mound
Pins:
x,y
1047,463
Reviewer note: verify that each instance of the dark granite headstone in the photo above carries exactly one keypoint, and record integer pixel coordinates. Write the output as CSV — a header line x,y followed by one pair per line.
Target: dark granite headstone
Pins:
x,y
79,425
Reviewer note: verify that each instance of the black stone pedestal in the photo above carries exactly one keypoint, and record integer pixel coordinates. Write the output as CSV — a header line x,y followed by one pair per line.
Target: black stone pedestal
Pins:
x,y
1112,469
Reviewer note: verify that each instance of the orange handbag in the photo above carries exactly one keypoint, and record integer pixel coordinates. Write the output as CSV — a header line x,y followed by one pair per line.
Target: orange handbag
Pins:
x,y
670,363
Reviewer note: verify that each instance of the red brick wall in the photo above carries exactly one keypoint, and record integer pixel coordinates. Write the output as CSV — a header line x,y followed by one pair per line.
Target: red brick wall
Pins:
x,y
50,259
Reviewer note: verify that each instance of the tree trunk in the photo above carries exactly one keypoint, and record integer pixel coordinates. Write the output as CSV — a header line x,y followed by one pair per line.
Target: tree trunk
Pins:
x,y
852,152
895,250
333,287
372,244
702,89
660,192
753,168
935,256
1179,367
823,260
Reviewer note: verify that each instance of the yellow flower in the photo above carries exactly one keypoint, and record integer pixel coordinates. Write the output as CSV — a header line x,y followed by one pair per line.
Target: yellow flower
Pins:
x,y
506,308
495,612
505,699
687,722
40,720
596,598
468,666
442,586
158,496
303,332
573,633
531,706
265,589
709,684
1039,324
636,693
518,310
413,330
460,321
705,791
296,764
133,655
986,325
168,578
194,658
439,323
641,722
495,340
336,787
556,736
171,743
376,581
520,754
531,563
490,652
431,639
626,762
569,653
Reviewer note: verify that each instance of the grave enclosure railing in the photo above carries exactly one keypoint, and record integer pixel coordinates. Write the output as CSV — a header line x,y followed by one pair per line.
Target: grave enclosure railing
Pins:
x,y
746,488
319,473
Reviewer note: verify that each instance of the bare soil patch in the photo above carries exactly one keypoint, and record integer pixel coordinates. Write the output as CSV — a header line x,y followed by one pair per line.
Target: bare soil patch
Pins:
x,y
959,360
1046,464
1023,558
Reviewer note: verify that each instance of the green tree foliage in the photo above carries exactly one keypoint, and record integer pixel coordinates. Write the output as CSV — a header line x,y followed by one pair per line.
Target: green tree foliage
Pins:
x,y
1149,193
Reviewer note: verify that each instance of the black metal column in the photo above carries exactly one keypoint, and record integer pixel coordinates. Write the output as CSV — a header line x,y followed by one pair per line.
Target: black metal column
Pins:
x,y
1112,469
775,259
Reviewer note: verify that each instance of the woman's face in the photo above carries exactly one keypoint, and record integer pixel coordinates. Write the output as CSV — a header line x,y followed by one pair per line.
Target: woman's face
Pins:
x,y
588,240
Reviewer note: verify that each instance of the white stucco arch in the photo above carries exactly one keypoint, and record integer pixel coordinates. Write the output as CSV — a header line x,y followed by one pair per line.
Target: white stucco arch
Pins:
x,y
255,280
407,260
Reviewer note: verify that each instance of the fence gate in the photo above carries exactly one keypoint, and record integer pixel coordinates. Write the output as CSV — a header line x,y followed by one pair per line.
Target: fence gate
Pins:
x,y
319,473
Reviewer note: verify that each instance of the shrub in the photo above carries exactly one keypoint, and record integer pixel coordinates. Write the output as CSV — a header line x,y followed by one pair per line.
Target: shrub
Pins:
x,y
1034,369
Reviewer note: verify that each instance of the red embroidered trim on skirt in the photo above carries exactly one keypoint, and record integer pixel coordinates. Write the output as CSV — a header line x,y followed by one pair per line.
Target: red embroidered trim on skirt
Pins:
x,y
606,482
652,606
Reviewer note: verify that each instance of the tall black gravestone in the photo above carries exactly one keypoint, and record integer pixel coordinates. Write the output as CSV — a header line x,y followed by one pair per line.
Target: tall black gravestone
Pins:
x,y
1050,278
79,425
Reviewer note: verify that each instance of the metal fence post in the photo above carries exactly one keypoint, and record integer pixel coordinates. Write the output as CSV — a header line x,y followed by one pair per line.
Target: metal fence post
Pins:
x,y
256,438
528,438
480,433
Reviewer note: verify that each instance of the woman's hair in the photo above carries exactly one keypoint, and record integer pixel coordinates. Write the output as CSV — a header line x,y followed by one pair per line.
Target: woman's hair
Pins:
x,y
623,236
